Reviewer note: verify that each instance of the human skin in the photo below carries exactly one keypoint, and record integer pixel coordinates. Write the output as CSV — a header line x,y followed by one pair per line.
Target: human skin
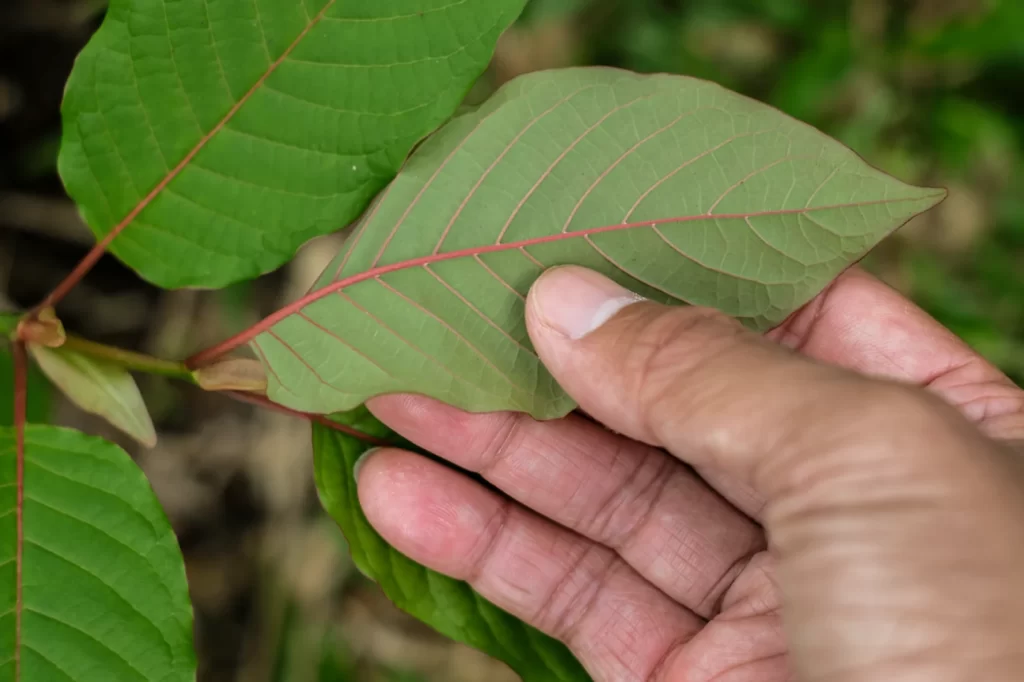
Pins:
x,y
841,500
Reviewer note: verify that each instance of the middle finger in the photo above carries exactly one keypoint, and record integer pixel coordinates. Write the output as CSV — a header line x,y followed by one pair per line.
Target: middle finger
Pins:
x,y
655,512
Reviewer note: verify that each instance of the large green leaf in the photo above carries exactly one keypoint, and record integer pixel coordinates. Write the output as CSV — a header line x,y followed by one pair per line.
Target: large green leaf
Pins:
x,y
677,188
102,594
450,606
225,133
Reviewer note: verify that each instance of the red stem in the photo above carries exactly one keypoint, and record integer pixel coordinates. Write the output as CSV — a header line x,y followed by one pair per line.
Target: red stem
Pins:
x,y
213,353
263,401
20,417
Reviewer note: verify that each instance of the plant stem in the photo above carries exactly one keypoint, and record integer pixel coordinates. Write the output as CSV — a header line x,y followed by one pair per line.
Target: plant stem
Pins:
x,y
20,417
263,401
140,362
148,364
131,360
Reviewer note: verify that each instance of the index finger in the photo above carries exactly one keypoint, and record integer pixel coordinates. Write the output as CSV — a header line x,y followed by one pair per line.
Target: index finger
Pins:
x,y
862,324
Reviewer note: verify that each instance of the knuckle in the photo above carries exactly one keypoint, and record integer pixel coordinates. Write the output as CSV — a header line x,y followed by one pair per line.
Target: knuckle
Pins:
x,y
670,346
489,542
579,588
669,361
500,441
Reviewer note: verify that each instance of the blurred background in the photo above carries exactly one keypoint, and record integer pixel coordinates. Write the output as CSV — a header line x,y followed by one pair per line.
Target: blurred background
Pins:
x,y
931,91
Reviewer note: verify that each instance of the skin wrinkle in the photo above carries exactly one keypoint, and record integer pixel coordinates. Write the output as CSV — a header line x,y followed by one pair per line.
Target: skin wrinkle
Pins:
x,y
645,501
577,590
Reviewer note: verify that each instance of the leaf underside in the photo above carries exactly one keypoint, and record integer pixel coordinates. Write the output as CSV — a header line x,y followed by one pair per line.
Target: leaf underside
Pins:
x,y
677,188
450,606
104,596
225,133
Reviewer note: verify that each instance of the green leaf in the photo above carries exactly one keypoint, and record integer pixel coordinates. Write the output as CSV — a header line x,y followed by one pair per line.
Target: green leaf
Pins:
x,y
8,323
679,189
225,133
98,387
450,606
38,406
103,596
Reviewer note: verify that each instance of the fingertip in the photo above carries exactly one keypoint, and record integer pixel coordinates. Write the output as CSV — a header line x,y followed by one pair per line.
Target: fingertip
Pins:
x,y
428,512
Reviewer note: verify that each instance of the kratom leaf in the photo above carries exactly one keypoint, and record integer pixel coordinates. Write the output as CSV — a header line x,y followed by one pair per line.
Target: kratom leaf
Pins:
x,y
102,594
98,387
679,189
450,606
225,133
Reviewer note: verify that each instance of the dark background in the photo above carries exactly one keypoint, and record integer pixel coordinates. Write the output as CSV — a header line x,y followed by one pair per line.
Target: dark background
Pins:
x,y
931,91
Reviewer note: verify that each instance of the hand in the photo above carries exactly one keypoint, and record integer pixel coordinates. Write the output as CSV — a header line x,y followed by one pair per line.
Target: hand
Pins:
x,y
876,461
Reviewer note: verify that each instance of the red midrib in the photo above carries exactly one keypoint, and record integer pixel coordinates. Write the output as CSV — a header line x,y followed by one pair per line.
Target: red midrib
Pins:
x,y
20,418
211,354
100,248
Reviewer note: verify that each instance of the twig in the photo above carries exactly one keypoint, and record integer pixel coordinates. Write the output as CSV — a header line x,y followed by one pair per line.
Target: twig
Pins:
x,y
263,401
139,362
20,417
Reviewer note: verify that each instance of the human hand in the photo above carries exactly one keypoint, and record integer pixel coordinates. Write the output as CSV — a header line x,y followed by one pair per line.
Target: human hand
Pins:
x,y
850,512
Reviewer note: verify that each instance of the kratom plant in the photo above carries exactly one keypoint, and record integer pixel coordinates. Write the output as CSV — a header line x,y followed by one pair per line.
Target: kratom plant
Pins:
x,y
206,140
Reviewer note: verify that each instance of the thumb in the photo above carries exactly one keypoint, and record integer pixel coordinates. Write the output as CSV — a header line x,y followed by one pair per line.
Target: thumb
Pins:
x,y
722,398
873,491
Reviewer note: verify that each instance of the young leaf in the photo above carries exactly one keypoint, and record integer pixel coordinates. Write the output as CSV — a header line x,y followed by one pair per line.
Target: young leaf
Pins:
x,y
450,606
677,188
100,388
92,583
222,134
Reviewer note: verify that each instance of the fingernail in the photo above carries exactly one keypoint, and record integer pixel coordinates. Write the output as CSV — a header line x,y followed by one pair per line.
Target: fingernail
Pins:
x,y
360,462
575,301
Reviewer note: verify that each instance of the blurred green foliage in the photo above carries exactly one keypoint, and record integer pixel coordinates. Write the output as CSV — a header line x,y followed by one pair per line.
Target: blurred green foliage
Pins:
x,y
929,90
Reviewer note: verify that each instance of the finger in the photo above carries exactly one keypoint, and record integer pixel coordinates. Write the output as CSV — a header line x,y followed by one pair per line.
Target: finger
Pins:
x,y
659,516
863,324
873,487
617,624
697,383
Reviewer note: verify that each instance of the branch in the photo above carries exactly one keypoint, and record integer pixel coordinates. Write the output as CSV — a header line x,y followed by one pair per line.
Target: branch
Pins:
x,y
263,401
140,362
130,360
20,417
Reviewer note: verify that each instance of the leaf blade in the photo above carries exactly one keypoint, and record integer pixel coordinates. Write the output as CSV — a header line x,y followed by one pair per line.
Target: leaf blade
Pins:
x,y
98,387
103,592
233,167
450,606
677,188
